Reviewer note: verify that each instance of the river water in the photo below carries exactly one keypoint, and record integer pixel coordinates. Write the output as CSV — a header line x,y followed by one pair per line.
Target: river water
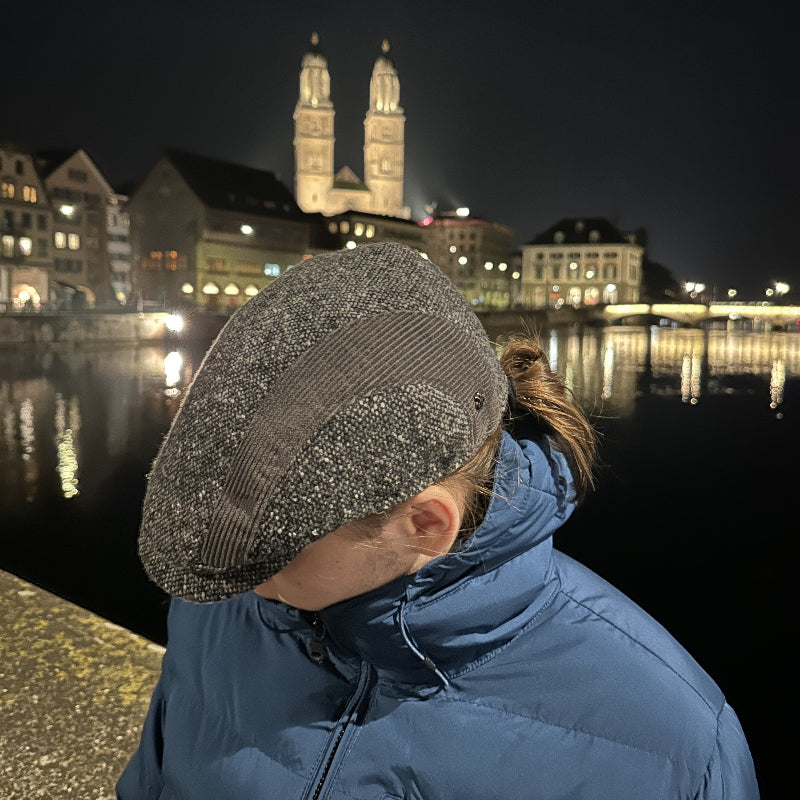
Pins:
x,y
692,516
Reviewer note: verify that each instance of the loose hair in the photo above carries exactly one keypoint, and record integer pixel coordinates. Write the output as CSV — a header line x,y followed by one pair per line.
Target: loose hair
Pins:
x,y
542,394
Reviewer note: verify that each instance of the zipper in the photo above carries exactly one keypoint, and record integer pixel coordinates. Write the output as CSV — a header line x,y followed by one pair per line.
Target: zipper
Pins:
x,y
316,651
345,724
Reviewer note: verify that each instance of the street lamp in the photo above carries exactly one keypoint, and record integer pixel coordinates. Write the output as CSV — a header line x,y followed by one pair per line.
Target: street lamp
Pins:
x,y
732,293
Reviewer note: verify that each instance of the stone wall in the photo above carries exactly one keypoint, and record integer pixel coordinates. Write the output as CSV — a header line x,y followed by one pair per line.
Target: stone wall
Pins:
x,y
20,328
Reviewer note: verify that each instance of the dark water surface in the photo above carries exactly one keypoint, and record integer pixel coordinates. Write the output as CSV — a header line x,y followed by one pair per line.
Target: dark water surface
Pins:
x,y
695,507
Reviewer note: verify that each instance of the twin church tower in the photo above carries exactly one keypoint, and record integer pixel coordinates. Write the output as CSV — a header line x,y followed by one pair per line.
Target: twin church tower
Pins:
x,y
317,188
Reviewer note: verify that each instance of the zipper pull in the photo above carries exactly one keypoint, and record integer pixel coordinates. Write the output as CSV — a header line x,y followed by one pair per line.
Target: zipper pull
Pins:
x,y
317,650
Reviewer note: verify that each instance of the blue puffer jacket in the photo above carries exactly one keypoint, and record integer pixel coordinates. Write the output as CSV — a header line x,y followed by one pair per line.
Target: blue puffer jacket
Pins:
x,y
506,670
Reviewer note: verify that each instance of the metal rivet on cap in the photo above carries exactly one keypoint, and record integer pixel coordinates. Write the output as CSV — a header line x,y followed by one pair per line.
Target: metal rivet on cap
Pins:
x,y
478,398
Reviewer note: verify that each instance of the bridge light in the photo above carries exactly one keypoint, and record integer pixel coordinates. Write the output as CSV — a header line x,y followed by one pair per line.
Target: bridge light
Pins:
x,y
732,293
781,288
699,288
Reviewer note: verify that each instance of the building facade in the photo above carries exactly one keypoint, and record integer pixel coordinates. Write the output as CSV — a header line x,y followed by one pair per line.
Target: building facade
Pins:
x,y
26,255
321,188
353,228
118,236
581,262
210,233
80,196
477,255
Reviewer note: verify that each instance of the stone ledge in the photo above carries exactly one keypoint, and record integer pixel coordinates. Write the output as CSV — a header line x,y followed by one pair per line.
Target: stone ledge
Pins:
x,y
74,692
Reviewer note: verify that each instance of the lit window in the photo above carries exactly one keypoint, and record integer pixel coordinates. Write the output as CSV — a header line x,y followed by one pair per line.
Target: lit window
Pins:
x,y
231,289
60,239
594,236
358,229
344,226
272,270
332,227
370,231
187,288
29,194
8,246
250,290
73,241
211,288
7,190
25,245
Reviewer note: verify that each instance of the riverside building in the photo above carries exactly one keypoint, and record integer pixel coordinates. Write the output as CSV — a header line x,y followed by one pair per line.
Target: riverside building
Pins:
x,y
581,262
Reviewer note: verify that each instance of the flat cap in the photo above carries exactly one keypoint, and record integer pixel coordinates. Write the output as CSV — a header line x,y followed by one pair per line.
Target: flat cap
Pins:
x,y
348,385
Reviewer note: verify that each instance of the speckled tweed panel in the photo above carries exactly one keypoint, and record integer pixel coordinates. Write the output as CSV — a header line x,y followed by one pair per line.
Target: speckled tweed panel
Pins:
x,y
346,386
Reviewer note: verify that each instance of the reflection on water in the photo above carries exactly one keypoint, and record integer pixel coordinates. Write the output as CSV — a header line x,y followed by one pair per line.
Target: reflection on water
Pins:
x,y
66,413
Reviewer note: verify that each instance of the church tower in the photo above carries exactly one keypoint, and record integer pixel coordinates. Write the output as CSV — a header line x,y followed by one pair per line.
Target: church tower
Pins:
x,y
384,139
313,132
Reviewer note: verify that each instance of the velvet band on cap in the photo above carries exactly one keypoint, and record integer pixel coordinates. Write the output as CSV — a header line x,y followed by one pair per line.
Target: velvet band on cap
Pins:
x,y
348,385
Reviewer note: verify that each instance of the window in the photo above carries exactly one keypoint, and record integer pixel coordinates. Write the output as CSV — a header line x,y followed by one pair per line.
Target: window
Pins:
x,y
370,231
8,220
20,167
358,229
272,270
558,237
41,222
60,240
29,194
6,190
25,245
73,241
77,175
344,226
594,236
8,246
591,296
41,247
217,265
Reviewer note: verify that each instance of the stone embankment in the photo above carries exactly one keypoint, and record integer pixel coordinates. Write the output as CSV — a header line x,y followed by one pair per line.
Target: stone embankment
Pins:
x,y
74,692
148,327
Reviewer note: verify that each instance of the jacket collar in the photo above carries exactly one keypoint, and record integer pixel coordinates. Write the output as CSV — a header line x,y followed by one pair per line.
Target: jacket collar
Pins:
x,y
430,627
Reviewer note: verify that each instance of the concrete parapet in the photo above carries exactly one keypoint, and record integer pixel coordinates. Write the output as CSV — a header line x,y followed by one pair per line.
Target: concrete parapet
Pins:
x,y
20,328
74,691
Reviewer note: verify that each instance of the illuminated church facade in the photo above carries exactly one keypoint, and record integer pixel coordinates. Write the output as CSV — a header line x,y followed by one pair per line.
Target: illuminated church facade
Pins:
x,y
318,187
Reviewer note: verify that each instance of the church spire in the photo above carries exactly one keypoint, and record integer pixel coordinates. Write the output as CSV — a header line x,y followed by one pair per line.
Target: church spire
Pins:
x,y
384,88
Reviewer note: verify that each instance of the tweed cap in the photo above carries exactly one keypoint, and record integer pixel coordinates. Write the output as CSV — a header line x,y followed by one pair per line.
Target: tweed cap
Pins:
x,y
348,385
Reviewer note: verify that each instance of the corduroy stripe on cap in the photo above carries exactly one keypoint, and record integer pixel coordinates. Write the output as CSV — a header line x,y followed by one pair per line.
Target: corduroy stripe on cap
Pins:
x,y
347,364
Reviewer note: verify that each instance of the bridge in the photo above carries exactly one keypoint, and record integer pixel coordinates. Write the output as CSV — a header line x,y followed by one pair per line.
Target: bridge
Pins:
x,y
695,314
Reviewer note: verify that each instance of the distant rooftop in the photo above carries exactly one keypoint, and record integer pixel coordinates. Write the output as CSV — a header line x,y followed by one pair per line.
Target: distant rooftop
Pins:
x,y
582,230
233,187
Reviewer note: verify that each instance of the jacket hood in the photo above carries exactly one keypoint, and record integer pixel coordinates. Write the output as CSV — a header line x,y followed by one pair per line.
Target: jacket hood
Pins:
x,y
429,627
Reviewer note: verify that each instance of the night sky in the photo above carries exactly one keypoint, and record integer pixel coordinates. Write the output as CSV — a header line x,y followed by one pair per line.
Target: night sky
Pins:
x,y
674,117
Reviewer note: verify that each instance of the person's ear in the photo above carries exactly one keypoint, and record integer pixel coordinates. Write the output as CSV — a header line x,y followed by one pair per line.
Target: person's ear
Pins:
x,y
435,519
